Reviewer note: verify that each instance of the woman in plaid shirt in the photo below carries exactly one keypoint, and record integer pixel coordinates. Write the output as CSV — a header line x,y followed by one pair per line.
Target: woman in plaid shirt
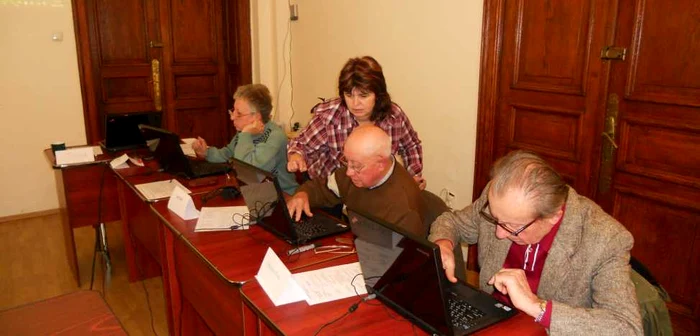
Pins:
x,y
363,100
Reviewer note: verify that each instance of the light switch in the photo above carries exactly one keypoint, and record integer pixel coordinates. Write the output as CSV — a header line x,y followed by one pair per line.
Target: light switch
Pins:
x,y
57,36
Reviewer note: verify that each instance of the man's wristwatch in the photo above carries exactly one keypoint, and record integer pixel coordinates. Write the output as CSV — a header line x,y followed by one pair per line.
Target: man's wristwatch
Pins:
x,y
543,309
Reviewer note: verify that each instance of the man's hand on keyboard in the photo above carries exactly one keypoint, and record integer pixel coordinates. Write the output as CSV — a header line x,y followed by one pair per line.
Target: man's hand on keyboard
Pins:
x,y
298,203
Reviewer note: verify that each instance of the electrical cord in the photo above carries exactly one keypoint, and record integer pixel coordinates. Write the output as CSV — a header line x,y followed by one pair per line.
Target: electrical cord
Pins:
x,y
97,236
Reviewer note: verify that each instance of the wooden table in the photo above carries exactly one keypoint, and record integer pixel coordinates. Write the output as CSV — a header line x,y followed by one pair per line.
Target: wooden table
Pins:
x,y
79,194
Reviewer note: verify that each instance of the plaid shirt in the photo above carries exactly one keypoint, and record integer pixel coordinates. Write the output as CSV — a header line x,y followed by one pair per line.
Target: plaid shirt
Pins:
x,y
321,142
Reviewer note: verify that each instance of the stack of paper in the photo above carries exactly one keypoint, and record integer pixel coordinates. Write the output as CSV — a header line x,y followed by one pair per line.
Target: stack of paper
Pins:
x,y
319,286
160,189
75,155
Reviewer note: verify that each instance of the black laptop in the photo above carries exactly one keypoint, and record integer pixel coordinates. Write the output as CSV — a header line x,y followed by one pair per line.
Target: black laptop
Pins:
x,y
265,200
405,272
122,130
166,149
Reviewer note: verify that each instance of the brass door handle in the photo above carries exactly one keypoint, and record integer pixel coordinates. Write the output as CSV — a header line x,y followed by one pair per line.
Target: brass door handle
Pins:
x,y
155,75
153,44
609,138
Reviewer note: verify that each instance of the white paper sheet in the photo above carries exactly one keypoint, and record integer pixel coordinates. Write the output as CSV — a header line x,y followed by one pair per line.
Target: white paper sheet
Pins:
x,y
97,150
160,189
75,155
276,280
221,218
331,283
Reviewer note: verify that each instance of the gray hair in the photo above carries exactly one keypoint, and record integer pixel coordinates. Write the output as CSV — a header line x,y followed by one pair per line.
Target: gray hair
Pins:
x,y
258,97
530,174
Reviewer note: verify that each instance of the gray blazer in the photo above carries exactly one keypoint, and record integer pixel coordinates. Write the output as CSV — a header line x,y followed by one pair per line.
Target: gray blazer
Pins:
x,y
586,274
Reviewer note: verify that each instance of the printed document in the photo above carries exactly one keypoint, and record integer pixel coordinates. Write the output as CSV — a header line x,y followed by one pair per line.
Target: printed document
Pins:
x,y
223,218
331,283
75,155
160,189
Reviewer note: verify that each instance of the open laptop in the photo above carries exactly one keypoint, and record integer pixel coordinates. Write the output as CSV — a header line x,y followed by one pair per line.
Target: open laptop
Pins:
x,y
405,272
166,149
122,130
265,200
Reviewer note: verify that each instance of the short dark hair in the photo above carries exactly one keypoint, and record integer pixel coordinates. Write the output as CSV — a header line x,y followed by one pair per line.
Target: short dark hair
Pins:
x,y
365,73
258,97
538,181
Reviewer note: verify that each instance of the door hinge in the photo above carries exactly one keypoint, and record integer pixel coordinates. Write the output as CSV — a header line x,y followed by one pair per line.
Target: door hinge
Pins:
x,y
613,53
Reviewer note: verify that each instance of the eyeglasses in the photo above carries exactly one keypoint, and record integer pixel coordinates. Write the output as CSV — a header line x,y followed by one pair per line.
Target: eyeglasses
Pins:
x,y
493,220
356,167
237,114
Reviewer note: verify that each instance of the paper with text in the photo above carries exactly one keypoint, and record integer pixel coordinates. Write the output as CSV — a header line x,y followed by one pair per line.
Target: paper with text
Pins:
x,y
120,162
223,218
160,189
276,280
331,283
182,204
75,155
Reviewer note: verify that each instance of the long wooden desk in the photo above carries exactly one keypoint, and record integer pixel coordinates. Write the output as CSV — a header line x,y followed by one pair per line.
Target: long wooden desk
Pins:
x,y
208,277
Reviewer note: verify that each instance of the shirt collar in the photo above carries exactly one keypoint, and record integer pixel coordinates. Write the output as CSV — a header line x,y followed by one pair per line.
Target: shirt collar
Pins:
x,y
388,174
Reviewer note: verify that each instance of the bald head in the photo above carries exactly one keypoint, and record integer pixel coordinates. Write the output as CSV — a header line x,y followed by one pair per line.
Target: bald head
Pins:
x,y
370,141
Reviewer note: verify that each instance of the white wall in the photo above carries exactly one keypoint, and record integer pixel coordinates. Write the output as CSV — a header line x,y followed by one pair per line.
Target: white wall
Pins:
x,y
40,101
430,54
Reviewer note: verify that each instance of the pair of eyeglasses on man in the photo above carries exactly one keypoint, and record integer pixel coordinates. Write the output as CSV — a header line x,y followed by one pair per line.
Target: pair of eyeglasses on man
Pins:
x,y
493,220
357,167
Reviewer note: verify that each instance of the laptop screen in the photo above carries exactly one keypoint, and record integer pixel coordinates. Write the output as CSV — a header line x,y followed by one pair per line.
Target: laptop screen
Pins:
x,y
404,273
122,131
166,149
265,200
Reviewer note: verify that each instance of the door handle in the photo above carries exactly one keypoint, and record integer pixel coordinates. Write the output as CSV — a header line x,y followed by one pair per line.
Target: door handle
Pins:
x,y
153,44
155,76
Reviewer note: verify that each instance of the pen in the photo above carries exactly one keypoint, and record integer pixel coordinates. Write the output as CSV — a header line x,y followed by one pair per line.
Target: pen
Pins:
x,y
300,249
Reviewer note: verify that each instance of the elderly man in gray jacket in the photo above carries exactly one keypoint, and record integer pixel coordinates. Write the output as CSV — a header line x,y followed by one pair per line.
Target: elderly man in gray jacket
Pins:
x,y
550,252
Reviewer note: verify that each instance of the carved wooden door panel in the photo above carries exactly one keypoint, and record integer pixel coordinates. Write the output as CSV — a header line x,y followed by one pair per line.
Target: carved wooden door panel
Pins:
x,y
117,72
655,185
181,57
194,73
545,93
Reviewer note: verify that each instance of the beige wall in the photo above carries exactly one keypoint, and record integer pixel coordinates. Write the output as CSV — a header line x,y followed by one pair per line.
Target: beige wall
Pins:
x,y
430,53
39,86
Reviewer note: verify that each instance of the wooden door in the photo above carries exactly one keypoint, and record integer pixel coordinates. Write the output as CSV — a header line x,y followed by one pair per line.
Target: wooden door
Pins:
x,y
181,57
545,88
654,188
540,87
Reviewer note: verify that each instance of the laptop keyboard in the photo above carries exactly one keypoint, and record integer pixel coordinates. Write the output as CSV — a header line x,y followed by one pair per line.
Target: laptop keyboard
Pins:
x,y
463,315
203,168
306,228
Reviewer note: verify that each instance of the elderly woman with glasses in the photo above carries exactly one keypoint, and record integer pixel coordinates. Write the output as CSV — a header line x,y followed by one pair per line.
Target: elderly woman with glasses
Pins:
x,y
548,251
258,140
363,99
